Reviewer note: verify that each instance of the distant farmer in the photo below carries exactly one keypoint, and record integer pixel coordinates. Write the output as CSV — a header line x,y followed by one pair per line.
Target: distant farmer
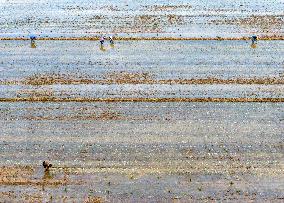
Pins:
x,y
254,39
46,165
33,38
102,40
111,39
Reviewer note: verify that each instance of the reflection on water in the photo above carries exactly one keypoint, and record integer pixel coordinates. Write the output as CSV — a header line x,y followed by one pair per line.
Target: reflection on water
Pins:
x,y
102,48
253,45
47,176
233,62
33,44
165,143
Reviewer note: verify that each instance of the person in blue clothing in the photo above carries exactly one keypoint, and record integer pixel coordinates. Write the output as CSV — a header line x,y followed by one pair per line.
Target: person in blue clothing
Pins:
x,y
254,39
33,38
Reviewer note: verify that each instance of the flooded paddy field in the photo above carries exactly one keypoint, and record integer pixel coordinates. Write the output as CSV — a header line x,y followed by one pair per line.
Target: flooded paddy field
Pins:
x,y
205,122
142,120
142,151
84,62
172,69
179,18
140,91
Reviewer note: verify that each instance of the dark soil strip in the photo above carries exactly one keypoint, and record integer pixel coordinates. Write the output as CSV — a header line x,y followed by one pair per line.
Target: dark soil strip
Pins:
x,y
52,99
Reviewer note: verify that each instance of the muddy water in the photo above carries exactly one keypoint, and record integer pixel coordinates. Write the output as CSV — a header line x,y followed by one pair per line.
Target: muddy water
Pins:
x,y
143,151
172,69
166,60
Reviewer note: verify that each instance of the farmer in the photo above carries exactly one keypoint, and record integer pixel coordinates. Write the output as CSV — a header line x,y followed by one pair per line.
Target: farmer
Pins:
x,y
111,39
46,165
33,38
102,40
254,39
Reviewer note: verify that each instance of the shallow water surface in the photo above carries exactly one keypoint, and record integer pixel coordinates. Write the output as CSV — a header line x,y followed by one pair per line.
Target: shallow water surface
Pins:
x,y
116,150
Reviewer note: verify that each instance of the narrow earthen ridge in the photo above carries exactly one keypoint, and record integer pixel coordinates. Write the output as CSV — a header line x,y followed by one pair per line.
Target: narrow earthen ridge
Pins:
x,y
58,79
148,38
33,183
53,99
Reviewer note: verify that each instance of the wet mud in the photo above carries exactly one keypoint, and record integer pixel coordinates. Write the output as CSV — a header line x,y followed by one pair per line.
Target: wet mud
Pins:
x,y
160,151
182,107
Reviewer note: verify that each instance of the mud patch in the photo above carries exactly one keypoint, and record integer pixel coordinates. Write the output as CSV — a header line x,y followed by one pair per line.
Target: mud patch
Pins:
x,y
51,99
265,23
128,78
36,93
22,175
167,7
56,78
134,78
82,114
